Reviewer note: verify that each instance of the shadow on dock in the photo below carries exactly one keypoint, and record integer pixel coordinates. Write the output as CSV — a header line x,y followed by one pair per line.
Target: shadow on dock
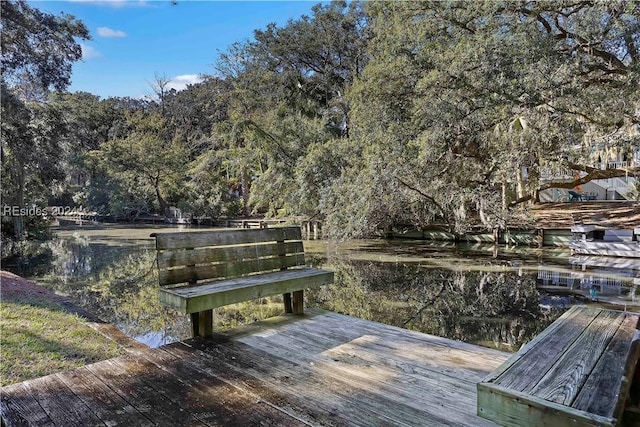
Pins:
x,y
322,368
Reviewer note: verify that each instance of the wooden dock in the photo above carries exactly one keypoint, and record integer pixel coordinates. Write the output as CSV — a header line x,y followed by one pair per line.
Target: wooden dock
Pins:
x,y
320,369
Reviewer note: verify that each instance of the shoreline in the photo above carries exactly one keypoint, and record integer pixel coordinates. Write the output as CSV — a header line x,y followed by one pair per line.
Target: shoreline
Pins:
x,y
14,287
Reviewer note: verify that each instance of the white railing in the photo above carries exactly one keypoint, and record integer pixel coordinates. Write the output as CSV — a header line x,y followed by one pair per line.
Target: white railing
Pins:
x,y
556,278
614,165
563,176
583,280
618,184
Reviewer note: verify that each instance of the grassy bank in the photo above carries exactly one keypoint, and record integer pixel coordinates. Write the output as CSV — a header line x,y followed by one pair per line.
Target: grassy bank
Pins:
x,y
40,335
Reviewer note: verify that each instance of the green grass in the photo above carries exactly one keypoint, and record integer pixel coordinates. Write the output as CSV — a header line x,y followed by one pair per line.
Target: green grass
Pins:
x,y
39,338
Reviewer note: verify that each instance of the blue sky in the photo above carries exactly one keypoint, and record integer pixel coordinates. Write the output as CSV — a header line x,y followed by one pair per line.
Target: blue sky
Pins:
x,y
133,41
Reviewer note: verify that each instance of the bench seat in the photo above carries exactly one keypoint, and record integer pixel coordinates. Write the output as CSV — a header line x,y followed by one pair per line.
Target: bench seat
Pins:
x,y
577,372
202,270
193,299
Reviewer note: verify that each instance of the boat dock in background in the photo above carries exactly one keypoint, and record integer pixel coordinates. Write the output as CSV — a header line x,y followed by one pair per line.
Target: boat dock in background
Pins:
x,y
587,240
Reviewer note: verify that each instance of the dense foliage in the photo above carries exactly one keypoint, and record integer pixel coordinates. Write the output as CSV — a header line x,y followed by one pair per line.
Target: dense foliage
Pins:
x,y
364,115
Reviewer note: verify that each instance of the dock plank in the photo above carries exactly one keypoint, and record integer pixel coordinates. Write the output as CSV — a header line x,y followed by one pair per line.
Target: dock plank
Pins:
x,y
603,387
541,353
563,381
61,404
374,357
20,408
109,406
127,379
465,362
311,392
198,391
273,381
319,369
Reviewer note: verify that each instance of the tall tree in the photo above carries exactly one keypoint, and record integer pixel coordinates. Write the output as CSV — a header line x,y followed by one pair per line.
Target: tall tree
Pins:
x,y
465,102
288,101
38,50
148,163
38,45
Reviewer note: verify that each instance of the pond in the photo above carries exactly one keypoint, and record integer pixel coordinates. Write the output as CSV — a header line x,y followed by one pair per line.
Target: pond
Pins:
x,y
495,296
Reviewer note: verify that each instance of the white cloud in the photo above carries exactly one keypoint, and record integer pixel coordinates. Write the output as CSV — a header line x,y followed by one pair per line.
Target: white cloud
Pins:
x,y
89,52
181,82
108,32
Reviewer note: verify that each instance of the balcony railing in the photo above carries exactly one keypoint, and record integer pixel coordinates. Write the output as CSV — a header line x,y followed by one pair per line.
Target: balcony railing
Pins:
x,y
567,175
617,165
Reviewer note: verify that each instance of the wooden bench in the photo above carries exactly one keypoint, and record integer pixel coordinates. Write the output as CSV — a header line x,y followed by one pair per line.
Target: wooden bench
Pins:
x,y
198,271
577,372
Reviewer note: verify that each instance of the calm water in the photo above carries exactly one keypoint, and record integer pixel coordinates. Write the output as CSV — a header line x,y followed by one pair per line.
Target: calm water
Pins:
x,y
493,296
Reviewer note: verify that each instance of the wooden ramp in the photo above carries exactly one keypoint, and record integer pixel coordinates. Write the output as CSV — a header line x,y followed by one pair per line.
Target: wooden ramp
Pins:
x,y
320,369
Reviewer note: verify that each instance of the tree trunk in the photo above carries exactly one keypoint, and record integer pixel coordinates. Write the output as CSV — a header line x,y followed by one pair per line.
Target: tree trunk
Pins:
x,y
504,195
164,207
18,220
245,191
519,183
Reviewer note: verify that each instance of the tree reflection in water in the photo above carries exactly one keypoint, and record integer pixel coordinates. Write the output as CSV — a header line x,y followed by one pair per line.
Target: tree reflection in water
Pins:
x,y
494,309
118,283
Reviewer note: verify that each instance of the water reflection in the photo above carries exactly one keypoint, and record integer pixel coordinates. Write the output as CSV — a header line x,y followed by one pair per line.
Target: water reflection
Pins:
x,y
597,279
115,280
497,298
496,309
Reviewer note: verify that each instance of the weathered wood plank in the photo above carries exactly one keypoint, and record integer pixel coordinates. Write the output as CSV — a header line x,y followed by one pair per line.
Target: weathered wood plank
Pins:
x,y
529,365
286,384
510,408
174,258
493,376
61,404
298,302
426,353
422,358
194,273
346,402
206,397
126,379
455,357
563,381
215,400
18,408
586,384
221,293
385,374
288,303
197,239
110,407
202,324
606,390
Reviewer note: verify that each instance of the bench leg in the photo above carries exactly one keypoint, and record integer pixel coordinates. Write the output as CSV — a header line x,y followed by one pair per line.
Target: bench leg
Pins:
x,y
298,302
288,306
202,324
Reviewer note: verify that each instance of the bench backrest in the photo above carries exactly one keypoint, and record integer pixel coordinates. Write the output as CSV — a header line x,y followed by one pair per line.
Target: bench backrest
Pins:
x,y
192,257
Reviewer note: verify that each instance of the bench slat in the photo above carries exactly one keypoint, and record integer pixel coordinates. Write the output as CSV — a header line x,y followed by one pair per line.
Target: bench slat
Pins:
x,y
510,408
605,386
183,240
534,360
175,258
562,383
196,273
586,384
217,294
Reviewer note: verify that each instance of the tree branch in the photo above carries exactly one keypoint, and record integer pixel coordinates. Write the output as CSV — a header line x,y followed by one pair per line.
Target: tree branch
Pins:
x,y
592,175
429,198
